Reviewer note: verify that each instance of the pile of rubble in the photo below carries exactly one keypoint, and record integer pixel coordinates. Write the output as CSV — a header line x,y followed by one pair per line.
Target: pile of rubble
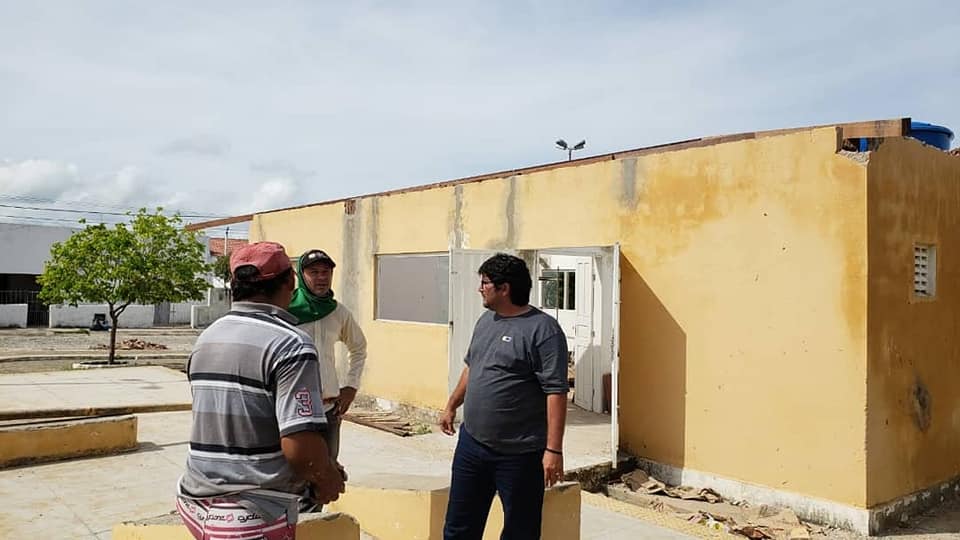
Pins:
x,y
708,508
133,344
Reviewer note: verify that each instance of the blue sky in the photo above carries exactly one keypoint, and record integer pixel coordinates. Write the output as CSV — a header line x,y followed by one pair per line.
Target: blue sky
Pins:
x,y
230,107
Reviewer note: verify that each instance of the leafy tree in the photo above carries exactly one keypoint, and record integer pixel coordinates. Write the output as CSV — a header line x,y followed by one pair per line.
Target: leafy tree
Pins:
x,y
148,261
221,267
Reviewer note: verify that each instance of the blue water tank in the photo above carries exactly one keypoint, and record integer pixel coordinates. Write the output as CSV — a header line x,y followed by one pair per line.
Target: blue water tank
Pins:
x,y
931,134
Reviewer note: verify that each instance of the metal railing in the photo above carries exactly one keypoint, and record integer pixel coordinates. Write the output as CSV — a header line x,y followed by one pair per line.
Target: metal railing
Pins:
x,y
38,314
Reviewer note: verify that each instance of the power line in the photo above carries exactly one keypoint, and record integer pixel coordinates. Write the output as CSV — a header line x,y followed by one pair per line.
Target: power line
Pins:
x,y
40,218
74,211
43,200
49,221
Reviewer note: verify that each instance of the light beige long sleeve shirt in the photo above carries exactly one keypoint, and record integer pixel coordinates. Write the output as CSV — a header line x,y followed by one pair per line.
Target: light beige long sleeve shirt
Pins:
x,y
339,325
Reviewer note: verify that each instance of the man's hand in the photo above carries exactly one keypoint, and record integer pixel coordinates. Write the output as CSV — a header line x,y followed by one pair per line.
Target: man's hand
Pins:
x,y
456,400
347,395
328,483
446,421
552,468
307,453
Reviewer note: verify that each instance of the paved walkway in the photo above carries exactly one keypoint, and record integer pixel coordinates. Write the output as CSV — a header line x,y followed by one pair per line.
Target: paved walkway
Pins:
x,y
114,387
84,498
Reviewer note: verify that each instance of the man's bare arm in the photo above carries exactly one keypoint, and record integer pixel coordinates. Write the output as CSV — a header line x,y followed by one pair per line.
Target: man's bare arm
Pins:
x,y
307,453
454,403
556,421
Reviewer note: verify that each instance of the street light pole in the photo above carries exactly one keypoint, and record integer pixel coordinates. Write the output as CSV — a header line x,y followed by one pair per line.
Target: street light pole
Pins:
x,y
562,145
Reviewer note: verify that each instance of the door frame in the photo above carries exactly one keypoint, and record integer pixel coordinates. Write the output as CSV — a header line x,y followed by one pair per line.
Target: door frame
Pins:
x,y
607,303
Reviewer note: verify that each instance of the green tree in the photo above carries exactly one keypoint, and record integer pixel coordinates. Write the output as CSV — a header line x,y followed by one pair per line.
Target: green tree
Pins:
x,y
221,267
148,261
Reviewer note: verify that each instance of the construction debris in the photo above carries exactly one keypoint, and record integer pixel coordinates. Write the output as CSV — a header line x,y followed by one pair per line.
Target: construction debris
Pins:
x,y
384,421
708,508
132,344
639,480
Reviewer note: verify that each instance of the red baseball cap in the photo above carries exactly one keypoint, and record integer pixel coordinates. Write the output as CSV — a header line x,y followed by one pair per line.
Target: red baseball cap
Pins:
x,y
268,257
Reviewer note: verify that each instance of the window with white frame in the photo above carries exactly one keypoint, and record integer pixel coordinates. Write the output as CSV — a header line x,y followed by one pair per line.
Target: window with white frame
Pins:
x,y
558,289
924,270
413,288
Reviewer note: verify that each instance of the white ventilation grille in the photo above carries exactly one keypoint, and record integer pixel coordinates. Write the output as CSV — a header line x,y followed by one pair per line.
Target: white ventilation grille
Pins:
x,y
924,270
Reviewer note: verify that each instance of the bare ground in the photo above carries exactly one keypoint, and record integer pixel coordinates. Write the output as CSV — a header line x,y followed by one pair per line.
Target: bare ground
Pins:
x,y
48,344
940,523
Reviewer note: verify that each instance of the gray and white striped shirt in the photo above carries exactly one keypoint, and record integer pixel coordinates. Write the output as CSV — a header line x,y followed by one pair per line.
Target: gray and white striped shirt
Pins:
x,y
254,378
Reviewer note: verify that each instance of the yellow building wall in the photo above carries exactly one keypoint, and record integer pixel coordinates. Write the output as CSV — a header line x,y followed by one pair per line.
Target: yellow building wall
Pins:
x,y
743,322
913,413
743,315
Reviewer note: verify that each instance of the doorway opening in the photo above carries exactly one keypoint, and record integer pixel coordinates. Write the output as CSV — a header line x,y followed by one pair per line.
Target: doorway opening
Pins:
x,y
580,287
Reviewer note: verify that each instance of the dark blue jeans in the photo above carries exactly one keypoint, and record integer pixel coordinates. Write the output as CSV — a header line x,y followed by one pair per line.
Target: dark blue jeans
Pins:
x,y
478,473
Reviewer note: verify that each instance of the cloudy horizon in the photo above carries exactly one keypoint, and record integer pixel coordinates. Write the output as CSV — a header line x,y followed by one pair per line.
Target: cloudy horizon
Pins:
x,y
227,108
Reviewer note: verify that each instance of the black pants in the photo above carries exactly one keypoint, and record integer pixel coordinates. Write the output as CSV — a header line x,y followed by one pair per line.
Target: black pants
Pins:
x,y
332,435
478,473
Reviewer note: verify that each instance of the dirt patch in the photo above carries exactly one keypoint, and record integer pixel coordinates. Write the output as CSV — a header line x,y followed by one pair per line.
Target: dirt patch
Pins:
x,y
132,344
38,341
33,366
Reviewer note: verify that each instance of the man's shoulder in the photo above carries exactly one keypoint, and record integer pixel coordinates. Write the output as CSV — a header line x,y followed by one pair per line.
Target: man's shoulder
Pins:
x,y
274,330
537,316
342,311
542,322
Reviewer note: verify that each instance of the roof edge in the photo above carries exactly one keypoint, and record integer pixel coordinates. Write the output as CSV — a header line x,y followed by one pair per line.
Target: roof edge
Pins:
x,y
894,127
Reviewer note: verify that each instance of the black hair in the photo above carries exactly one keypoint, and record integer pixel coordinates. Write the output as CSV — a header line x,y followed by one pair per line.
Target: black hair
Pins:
x,y
503,268
243,286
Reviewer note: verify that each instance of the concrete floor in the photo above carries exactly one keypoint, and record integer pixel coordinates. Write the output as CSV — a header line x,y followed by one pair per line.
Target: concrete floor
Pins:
x,y
84,498
113,387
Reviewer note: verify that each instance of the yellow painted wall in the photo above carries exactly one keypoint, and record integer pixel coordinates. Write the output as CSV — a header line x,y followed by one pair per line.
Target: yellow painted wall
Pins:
x,y
743,317
66,439
912,441
407,362
744,314
406,507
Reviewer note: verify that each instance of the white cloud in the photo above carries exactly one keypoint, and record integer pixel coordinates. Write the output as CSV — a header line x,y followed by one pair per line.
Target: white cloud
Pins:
x,y
38,178
275,192
41,183
331,101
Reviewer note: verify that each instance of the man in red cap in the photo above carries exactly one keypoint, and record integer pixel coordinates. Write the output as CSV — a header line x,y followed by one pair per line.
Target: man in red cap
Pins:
x,y
257,454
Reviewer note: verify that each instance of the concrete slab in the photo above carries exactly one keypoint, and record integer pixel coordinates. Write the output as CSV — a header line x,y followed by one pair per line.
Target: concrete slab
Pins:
x,y
86,498
95,388
601,524
25,442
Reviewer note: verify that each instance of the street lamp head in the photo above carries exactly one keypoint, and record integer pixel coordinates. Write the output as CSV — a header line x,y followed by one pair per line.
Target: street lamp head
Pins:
x,y
580,145
562,144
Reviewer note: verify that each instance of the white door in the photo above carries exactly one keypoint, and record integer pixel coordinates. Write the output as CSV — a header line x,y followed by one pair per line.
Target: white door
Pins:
x,y
587,383
465,305
615,356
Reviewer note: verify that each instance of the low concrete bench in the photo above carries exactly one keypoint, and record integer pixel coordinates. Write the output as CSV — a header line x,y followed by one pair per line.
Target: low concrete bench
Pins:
x,y
35,441
322,526
408,507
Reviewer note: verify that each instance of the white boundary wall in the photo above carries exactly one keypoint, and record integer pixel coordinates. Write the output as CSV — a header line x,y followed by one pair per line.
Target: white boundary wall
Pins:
x,y
13,315
135,316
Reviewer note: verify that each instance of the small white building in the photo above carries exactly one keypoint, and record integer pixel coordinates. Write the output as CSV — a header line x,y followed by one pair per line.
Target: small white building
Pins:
x,y
25,249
